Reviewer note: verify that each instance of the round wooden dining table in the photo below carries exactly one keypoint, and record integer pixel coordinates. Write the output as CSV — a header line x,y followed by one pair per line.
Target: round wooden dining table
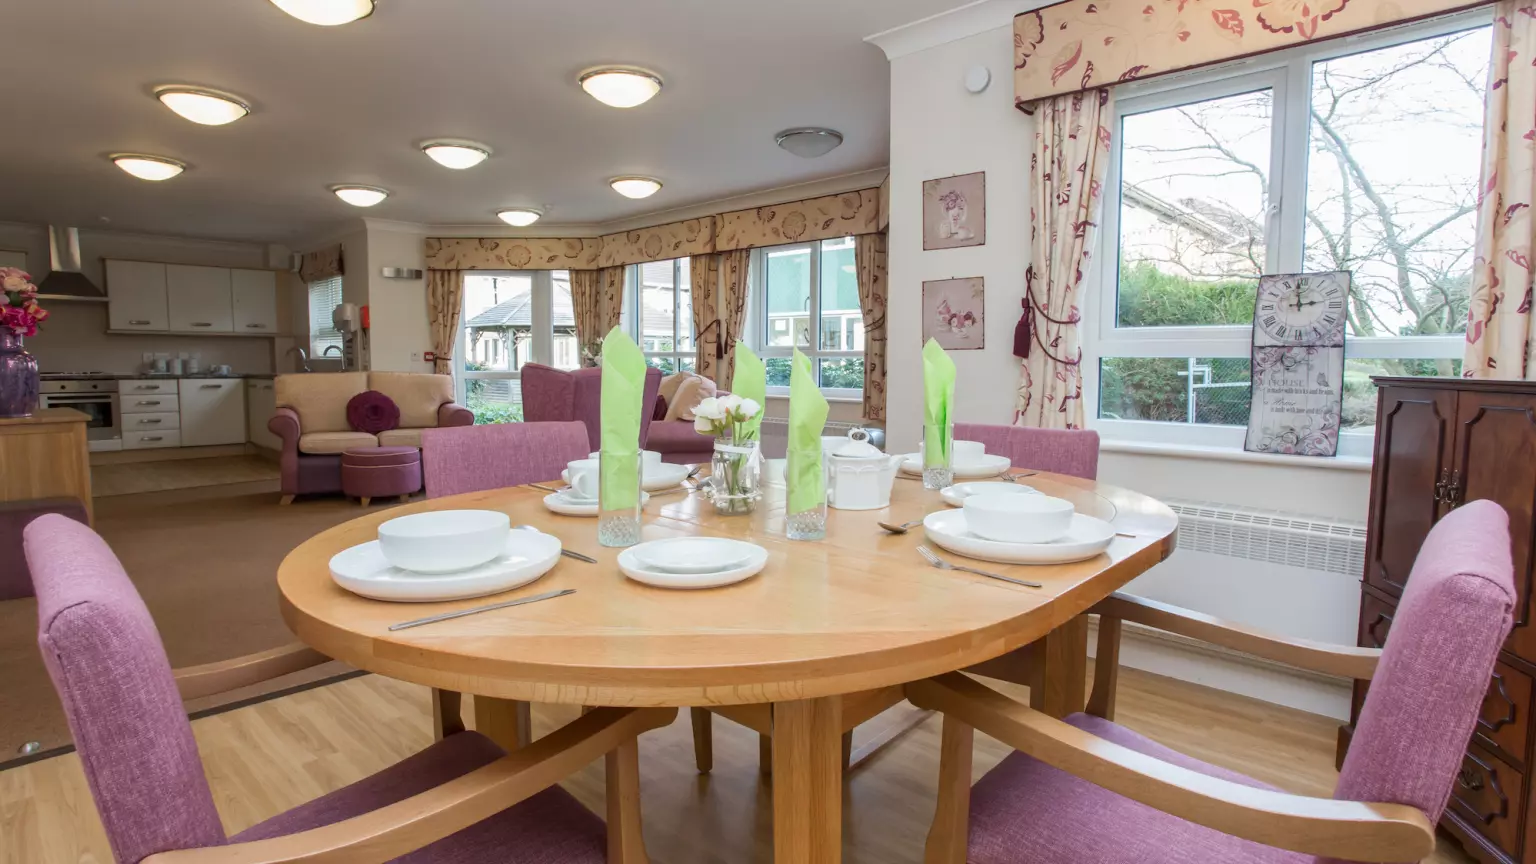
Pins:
x,y
825,635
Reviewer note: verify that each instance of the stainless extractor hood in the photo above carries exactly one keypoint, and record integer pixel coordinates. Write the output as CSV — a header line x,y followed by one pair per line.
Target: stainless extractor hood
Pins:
x,y
64,280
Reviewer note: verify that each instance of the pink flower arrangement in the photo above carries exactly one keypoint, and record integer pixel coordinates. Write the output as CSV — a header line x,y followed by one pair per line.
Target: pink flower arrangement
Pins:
x,y
20,313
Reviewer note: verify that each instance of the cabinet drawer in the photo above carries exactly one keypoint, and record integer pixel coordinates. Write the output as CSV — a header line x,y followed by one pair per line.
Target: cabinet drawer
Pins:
x,y
1504,720
150,403
1487,797
160,422
151,440
139,388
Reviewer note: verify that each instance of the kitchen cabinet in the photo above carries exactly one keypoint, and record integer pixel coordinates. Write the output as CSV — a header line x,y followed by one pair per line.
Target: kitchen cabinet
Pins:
x,y
255,301
136,296
212,411
260,405
200,299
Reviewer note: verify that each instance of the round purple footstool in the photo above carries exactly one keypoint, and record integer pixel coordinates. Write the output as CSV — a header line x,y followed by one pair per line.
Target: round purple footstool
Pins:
x,y
379,472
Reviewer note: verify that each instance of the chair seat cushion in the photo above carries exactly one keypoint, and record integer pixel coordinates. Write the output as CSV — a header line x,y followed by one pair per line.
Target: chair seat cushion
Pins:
x,y
381,457
673,436
549,828
1026,812
400,438
326,443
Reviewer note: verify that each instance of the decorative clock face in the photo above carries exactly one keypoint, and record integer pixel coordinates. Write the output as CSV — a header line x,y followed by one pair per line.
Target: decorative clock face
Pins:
x,y
1297,310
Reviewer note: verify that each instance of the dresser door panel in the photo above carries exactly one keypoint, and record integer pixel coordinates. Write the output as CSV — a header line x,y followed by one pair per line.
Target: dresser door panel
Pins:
x,y
1413,451
1496,458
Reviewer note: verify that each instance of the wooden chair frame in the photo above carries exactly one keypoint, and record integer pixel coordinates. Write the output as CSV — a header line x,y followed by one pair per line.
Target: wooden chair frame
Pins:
x,y
405,826
1319,826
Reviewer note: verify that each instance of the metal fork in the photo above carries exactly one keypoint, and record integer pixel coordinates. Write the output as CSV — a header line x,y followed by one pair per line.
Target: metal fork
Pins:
x,y
945,565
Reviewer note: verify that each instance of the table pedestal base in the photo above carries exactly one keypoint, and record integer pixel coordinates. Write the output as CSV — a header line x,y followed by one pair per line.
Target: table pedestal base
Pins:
x,y
808,781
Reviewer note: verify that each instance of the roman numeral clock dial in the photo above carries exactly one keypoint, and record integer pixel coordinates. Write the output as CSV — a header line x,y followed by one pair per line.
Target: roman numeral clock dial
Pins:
x,y
1298,310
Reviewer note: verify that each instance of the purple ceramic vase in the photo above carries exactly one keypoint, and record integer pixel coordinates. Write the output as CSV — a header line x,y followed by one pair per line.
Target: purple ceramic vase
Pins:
x,y
18,377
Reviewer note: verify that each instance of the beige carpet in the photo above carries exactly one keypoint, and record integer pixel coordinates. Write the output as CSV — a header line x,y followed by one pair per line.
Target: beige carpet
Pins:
x,y
139,477
205,561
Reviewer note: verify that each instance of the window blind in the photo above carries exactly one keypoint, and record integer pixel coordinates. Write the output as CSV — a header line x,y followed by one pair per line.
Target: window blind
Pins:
x,y
324,297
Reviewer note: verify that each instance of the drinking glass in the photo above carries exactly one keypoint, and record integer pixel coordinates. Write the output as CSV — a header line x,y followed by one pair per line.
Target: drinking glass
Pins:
x,y
809,524
618,526
938,473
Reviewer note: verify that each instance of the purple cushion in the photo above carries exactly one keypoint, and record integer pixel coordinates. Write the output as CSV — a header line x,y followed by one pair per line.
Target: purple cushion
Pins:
x,y
678,436
1061,451
497,455
372,412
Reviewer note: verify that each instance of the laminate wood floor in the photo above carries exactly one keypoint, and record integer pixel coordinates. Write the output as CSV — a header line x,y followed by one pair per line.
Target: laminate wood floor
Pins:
x,y
269,757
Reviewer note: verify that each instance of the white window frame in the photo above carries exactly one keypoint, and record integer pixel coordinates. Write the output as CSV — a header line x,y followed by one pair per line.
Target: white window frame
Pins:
x,y
542,322
757,318
322,330
1288,74
634,288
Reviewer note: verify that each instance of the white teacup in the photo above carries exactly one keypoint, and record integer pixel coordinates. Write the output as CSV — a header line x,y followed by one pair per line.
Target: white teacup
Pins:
x,y
649,459
583,475
1018,518
444,541
962,452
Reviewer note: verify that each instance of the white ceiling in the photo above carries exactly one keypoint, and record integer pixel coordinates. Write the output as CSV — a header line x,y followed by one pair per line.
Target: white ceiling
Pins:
x,y
351,104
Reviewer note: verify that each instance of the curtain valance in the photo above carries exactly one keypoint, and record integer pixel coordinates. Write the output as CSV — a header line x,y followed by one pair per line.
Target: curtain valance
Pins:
x,y
1082,44
512,253
321,264
821,218
660,243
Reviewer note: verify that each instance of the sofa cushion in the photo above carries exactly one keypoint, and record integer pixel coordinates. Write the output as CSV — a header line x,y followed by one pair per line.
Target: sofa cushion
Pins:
x,y
320,398
372,412
418,395
400,438
335,442
690,393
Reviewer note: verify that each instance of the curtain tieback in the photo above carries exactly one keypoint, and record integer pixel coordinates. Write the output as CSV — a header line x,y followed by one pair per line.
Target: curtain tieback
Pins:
x,y
1027,332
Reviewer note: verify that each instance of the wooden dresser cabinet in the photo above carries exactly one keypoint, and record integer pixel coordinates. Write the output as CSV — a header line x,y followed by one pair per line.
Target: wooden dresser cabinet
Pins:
x,y
1441,442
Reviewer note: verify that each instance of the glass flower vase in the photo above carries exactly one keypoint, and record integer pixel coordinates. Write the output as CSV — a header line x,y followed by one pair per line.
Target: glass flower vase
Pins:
x,y
735,476
18,377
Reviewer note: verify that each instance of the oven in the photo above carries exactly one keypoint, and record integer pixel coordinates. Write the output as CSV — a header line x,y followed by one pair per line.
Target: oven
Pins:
x,y
96,398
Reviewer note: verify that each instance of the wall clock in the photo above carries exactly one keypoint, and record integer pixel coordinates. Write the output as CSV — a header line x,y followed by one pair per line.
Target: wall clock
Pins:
x,y
1298,364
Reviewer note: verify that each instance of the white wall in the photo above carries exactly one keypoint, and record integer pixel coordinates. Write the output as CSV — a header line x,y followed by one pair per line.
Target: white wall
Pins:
x,y
397,307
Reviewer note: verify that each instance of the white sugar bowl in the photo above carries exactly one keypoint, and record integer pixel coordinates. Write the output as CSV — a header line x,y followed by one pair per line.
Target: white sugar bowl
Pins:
x,y
859,475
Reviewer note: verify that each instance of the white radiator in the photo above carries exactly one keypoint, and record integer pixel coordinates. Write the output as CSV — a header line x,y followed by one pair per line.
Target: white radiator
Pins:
x,y
1273,536
775,434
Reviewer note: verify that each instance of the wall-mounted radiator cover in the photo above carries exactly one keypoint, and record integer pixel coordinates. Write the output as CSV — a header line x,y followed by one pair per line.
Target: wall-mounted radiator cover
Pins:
x,y
1293,539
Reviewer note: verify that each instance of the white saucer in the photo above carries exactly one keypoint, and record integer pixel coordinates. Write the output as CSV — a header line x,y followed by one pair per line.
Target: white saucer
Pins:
x,y
630,564
561,502
987,466
363,570
695,555
653,480
955,495
1086,538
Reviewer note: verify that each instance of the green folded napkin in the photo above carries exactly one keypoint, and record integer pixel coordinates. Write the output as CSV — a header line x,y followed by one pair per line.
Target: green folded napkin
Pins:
x,y
807,417
938,396
750,381
622,400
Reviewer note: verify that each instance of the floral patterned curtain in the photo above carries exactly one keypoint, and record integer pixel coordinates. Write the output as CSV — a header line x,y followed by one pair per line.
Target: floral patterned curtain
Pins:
x,y
704,274
445,303
586,303
869,261
1499,331
1066,175
610,303
321,264
733,306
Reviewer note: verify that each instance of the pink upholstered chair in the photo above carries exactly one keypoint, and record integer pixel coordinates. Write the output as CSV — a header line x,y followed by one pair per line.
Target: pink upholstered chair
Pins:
x,y
1086,791
124,705
498,455
1060,451
551,394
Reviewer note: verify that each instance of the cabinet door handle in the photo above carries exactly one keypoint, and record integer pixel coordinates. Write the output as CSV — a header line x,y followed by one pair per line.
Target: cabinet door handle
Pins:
x,y
212,386
257,326
202,324
150,387
151,421
153,438
149,401
1454,492
1442,485
139,323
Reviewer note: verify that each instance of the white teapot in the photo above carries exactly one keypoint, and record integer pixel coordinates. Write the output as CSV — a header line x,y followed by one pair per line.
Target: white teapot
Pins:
x,y
859,475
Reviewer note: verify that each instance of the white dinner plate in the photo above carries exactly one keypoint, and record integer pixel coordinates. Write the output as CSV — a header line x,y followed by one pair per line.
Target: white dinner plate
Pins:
x,y
654,479
955,495
363,570
695,555
1086,538
632,564
561,502
987,466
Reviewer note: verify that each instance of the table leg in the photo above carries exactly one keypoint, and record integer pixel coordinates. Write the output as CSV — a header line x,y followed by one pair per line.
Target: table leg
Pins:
x,y
1058,683
808,781
505,721
447,718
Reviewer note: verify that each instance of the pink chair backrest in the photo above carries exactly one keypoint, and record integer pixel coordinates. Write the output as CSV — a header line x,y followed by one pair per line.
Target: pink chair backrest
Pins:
x,y
1435,667
1061,451
549,394
555,394
497,455
111,673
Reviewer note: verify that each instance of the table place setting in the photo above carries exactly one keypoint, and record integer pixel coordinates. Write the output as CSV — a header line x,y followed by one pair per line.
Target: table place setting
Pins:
x,y
655,475
692,562
1012,528
955,495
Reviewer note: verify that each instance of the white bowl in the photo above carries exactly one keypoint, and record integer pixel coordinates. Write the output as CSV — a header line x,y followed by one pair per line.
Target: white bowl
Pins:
x,y
1018,518
444,541
648,458
961,452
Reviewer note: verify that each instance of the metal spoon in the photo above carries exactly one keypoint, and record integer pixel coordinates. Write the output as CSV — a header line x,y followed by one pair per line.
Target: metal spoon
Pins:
x,y
563,551
902,528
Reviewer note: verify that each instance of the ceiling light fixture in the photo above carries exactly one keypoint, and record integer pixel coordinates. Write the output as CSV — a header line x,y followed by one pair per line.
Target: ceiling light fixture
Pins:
x,y
457,155
203,106
810,141
635,187
519,217
360,196
326,13
620,87
147,167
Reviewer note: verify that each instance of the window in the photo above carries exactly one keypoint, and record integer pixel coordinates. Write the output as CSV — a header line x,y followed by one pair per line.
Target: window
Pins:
x,y
1298,166
659,295
510,319
807,295
324,297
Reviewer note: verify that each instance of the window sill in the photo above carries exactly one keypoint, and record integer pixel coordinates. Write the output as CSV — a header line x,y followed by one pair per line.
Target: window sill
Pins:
x,y
1228,454
846,400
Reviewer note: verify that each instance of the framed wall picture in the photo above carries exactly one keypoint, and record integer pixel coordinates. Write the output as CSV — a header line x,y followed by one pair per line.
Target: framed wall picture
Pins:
x,y
954,313
1298,364
955,211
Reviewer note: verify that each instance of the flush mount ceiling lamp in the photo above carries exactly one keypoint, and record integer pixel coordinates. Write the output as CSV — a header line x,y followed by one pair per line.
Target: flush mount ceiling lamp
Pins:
x,y
360,196
456,154
326,13
620,87
810,141
147,167
635,187
203,106
519,217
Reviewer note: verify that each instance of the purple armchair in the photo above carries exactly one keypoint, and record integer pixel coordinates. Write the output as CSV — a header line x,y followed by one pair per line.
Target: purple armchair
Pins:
x,y
463,799
498,455
555,395
1087,790
1061,451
